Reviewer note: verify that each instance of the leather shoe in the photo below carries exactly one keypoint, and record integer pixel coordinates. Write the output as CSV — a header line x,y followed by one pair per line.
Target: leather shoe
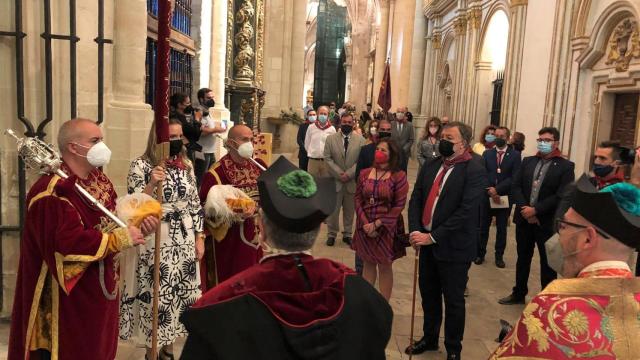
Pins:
x,y
419,347
453,356
346,240
331,241
500,263
479,260
511,300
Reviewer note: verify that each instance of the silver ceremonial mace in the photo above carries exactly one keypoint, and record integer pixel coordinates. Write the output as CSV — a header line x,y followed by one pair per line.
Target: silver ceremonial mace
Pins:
x,y
41,156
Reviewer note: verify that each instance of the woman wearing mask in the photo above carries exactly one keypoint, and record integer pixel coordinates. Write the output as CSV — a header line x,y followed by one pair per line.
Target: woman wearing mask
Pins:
x,y
372,136
428,146
517,141
379,200
181,109
303,157
181,245
487,140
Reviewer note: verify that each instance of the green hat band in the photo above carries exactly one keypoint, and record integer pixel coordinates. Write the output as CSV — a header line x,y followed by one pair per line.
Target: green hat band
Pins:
x,y
626,196
297,184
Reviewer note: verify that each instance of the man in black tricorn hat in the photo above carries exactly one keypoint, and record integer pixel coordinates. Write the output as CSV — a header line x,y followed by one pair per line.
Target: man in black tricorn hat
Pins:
x,y
595,311
290,305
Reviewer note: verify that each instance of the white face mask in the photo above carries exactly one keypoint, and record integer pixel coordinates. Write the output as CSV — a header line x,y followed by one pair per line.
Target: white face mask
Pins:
x,y
98,154
373,131
556,258
400,115
245,150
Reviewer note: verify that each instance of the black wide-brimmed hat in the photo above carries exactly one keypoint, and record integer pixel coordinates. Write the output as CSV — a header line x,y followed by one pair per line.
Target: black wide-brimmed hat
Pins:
x,y
614,209
293,199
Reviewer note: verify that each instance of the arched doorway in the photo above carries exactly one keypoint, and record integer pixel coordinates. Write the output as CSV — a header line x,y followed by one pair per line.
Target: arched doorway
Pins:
x,y
490,70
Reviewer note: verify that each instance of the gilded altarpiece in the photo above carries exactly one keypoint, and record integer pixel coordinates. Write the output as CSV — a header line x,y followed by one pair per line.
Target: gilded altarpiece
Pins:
x,y
244,96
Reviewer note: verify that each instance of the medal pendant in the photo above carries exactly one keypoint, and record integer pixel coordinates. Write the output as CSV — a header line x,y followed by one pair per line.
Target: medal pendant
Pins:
x,y
434,154
372,201
499,171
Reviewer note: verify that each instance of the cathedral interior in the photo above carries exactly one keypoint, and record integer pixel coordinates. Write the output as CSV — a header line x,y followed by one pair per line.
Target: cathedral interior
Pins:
x,y
523,64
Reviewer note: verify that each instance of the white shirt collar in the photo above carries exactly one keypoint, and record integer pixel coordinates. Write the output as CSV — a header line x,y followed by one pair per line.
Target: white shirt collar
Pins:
x,y
608,264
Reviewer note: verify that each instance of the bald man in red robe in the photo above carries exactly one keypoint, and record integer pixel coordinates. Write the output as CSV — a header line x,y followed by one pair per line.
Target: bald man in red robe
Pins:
x,y
239,248
66,302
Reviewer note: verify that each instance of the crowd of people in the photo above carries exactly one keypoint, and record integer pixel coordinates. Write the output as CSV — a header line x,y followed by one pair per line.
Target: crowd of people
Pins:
x,y
241,282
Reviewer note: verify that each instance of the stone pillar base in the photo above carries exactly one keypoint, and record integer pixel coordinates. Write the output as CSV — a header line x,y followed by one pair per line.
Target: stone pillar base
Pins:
x,y
126,130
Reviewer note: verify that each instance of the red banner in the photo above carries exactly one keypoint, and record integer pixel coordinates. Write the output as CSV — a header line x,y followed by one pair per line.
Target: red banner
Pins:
x,y
384,97
162,72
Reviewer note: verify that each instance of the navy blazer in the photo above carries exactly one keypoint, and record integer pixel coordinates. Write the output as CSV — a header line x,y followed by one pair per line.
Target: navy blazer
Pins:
x,y
511,161
455,219
559,175
302,133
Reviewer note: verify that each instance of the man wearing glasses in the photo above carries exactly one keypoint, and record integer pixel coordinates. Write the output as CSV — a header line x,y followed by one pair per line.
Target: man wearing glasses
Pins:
x,y
594,311
536,190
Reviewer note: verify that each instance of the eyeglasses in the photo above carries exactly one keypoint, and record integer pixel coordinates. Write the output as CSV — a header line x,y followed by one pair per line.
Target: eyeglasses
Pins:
x,y
545,140
563,224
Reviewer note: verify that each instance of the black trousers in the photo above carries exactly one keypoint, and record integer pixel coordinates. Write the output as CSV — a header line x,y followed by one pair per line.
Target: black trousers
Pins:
x,y
502,217
303,161
440,279
528,236
201,166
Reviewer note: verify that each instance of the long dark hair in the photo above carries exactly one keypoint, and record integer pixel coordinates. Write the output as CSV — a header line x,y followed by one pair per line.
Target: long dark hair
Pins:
x,y
517,141
177,98
485,131
436,121
394,154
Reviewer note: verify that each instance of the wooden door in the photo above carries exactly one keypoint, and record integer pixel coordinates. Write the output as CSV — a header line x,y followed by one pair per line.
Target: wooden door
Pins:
x,y
625,119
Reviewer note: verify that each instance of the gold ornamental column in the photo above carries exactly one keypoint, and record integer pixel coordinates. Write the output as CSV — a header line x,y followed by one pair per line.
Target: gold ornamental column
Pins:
x,y
513,67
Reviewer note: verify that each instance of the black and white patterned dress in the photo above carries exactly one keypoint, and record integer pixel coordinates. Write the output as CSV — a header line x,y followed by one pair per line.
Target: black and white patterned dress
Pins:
x,y
179,270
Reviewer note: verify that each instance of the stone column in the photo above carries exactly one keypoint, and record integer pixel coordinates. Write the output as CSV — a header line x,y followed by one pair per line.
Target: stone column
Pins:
x,y
296,66
217,66
417,62
434,96
381,49
459,71
513,67
474,16
127,117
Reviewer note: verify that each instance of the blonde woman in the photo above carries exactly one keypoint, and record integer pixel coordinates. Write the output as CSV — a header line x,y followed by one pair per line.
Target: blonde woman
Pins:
x,y
181,246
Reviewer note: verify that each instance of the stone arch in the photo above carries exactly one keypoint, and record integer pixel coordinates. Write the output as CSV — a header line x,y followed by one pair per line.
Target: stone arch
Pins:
x,y
484,25
602,29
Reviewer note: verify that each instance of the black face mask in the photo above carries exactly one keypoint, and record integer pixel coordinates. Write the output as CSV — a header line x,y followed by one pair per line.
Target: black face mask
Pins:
x,y
384,134
602,170
500,142
188,110
210,103
445,148
346,129
175,146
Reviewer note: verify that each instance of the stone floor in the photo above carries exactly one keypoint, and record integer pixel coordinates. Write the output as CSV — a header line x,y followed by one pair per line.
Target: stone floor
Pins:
x,y
486,284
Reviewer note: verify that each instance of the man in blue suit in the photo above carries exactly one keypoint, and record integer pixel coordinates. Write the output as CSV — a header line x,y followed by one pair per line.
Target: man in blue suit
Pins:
x,y
501,163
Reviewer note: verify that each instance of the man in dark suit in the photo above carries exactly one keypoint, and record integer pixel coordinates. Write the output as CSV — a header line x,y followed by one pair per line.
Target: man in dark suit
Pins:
x,y
501,163
303,157
536,189
403,133
443,223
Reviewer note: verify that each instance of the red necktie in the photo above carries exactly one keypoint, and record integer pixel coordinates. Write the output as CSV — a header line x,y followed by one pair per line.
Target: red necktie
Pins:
x,y
500,156
437,184
433,195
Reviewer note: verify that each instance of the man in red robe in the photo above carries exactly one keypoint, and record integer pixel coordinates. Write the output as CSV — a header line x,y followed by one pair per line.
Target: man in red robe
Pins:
x,y
290,305
66,302
239,248
594,313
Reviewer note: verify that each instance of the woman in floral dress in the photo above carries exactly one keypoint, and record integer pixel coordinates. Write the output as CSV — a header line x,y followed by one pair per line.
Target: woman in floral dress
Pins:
x,y
379,200
181,246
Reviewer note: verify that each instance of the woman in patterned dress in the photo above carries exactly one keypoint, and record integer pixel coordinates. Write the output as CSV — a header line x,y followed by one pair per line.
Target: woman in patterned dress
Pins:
x,y
379,200
181,246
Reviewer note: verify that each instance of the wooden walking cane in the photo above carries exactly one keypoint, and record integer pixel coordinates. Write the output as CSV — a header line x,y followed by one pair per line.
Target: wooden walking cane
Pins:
x,y
413,301
161,122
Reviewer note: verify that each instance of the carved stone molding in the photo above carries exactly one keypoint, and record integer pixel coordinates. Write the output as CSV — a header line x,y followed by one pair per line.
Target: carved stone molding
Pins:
x,y
624,45
474,18
230,23
460,25
515,3
260,43
436,41
243,40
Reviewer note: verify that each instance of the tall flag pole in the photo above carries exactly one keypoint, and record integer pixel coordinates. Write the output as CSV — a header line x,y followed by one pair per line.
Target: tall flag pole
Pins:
x,y
384,96
161,122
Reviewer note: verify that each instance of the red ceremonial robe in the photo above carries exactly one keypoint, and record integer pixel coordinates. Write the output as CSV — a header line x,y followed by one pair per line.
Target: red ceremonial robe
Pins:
x,y
66,294
237,251
595,316
290,306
